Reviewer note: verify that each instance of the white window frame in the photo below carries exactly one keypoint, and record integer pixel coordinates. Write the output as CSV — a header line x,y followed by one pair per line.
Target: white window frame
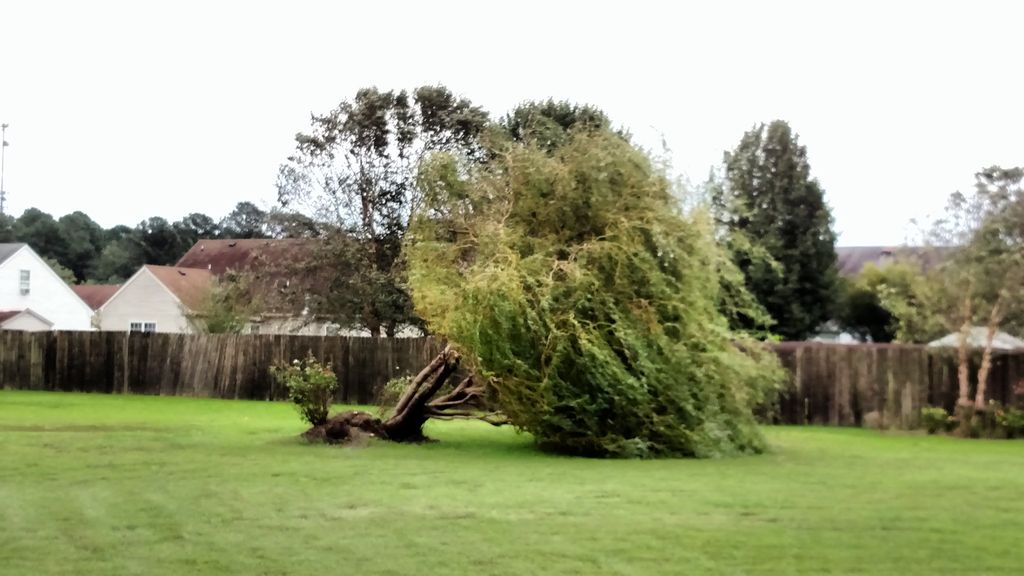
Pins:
x,y
144,326
25,282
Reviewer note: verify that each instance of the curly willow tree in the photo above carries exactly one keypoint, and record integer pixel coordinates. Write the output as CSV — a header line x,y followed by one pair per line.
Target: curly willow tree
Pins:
x,y
579,292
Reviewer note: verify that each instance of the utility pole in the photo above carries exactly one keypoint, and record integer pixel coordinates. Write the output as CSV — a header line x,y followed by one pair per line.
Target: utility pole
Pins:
x,y
3,159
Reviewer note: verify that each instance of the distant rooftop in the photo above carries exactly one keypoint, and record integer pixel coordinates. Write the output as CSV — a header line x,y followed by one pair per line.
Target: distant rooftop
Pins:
x,y
220,256
8,250
852,259
95,295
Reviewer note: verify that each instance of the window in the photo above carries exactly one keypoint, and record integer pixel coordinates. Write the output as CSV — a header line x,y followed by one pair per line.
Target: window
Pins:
x,y
142,327
25,281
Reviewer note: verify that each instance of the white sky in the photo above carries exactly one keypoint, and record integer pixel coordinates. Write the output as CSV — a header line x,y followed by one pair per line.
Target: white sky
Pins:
x,y
134,109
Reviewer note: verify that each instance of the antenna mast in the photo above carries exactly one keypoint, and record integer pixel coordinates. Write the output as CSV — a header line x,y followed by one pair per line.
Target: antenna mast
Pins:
x,y
3,158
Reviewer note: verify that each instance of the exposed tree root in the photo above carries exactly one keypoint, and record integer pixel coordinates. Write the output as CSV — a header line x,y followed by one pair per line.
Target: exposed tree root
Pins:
x,y
416,405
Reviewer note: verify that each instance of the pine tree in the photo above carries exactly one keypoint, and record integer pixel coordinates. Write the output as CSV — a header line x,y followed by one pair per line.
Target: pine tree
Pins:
x,y
779,227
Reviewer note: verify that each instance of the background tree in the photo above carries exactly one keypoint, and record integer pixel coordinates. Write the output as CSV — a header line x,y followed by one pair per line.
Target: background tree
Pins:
x,y
158,242
767,203
40,231
354,174
882,304
979,283
229,306
246,221
195,226
575,286
7,233
547,124
64,273
84,240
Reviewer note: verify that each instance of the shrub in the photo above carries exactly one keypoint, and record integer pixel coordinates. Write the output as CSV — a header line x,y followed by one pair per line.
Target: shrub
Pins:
x,y
935,419
1011,422
391,392
311,387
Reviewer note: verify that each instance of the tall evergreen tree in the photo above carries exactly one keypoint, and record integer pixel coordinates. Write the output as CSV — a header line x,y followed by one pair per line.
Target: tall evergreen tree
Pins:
x,y
775,218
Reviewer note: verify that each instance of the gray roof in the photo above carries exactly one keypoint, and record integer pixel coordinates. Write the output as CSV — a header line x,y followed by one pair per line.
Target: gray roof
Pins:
x,y
977,338
850,260
8,250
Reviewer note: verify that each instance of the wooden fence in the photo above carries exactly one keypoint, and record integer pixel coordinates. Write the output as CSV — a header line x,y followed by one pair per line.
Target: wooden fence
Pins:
x,y
828,383
219,366
883,384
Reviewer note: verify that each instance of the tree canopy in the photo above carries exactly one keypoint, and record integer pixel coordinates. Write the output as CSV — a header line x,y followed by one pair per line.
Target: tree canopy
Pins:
x,y
774,217
574,283
354,175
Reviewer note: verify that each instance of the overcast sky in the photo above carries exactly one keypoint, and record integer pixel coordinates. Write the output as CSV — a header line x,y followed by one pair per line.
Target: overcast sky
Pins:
x,y
128,110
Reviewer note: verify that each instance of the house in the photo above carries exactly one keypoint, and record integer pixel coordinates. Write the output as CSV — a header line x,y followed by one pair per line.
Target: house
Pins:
x,y
272,267
24,320
279,279
157,299
850,260
95,295
29,286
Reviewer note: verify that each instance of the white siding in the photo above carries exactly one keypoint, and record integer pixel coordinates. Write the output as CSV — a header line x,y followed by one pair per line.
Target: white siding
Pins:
x,y
26,322
48,295
144,299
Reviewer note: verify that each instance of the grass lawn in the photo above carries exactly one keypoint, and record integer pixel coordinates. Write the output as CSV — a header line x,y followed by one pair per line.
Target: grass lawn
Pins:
x,y
143,485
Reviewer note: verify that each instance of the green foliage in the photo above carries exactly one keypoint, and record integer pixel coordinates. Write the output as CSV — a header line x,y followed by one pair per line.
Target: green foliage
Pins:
x,y
66,275
311,387
981,238
229,305
549,124
391,392
1010,421
936,419
84,240
354,175
570,277
766,194
246,221
887,303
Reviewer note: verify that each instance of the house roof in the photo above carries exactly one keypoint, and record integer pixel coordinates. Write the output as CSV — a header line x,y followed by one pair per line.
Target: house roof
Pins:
x,y
8,250
190,285
95,295
6,315
220,256
977,338
852,259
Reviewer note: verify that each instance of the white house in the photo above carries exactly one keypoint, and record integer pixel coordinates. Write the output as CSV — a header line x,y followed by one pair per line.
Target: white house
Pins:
x,y
28,283
24,320
157,299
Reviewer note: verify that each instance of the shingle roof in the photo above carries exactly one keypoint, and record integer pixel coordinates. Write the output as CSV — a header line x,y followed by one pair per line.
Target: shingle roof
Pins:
x,y
220,256
8,314
8,250
190,285
852,259
95,295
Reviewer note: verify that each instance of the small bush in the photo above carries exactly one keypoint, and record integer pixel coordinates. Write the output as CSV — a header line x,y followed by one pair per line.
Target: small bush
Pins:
x,y
1011,422
935,419
389,395
311,387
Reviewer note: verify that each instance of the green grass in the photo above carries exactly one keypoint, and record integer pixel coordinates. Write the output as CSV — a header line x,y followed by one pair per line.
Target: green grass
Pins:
x,y
142,485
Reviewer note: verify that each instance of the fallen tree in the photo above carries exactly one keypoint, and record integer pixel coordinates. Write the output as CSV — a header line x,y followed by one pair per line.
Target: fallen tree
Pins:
x,y
420,401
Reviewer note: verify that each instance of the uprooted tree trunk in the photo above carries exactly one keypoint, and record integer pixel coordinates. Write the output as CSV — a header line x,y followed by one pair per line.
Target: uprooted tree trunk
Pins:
x,y
416,405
